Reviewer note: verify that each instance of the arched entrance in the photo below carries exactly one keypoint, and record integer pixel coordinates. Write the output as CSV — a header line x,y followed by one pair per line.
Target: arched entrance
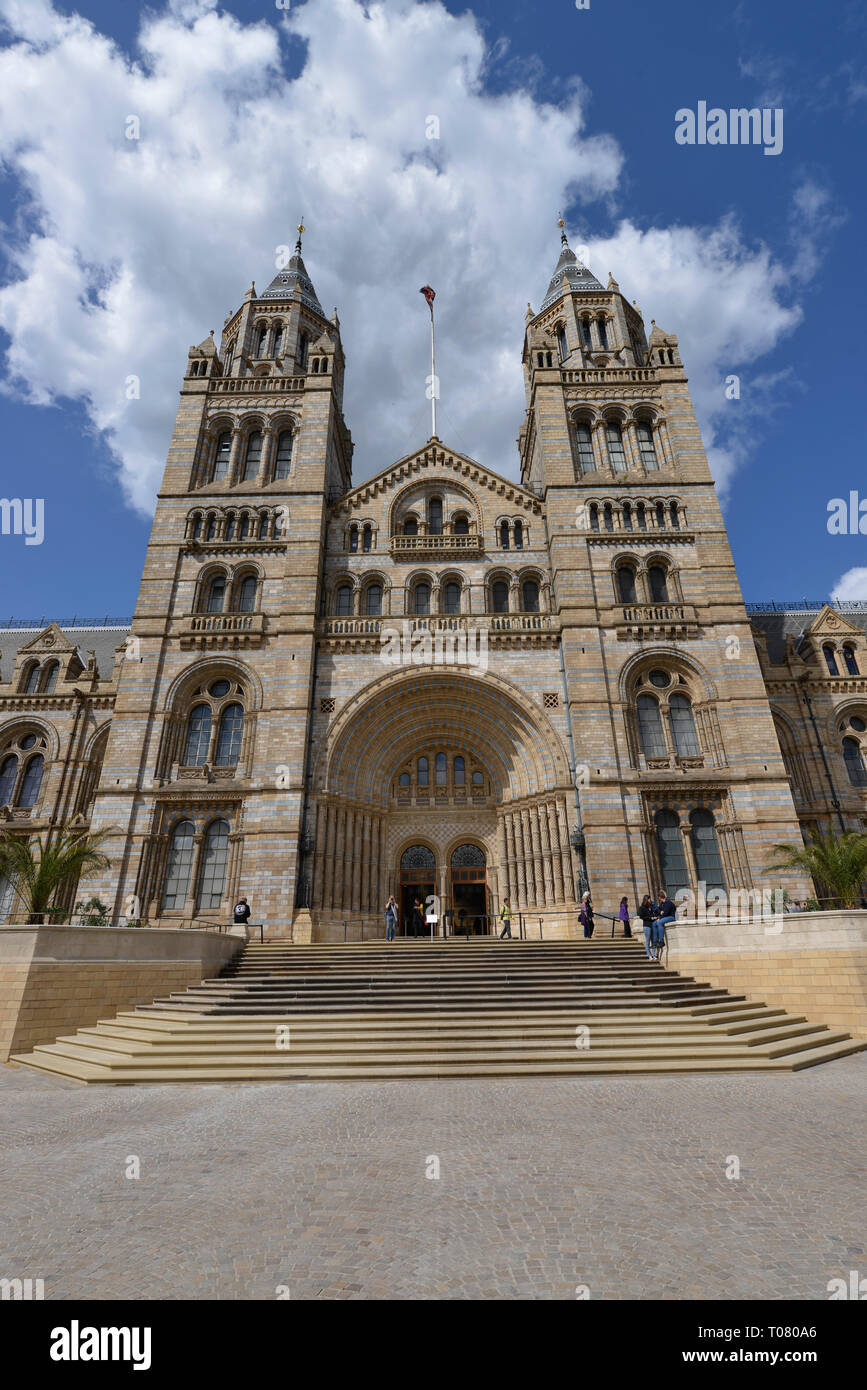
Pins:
x,y
418,878
469,894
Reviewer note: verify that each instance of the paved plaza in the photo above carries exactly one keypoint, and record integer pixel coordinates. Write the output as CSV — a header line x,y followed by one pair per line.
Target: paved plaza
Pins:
x,y
544,1186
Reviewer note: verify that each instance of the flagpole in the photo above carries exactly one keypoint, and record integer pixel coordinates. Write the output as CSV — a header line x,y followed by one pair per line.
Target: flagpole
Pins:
x,y
433,373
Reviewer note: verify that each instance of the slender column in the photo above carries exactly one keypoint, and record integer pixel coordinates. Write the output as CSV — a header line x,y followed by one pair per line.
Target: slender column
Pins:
x,y
517,849
551,841
190,901
691,867
347,854
565,850
321,833
373,883
234,455
633,453
543,862
365,861
504,884
328,866
383,866
337,862
529,867
600,450
265,460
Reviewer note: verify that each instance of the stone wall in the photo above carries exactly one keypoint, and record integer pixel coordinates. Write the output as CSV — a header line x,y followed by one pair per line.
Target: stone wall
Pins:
x,y
54,980
810,963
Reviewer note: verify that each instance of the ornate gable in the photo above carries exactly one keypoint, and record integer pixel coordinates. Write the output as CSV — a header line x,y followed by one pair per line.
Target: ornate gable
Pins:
x,y
436,460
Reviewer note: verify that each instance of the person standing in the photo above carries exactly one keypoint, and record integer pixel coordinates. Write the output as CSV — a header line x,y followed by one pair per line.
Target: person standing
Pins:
x,y
585,916
417,918
666,915
645,912
241,913
624,917
506,919
390,918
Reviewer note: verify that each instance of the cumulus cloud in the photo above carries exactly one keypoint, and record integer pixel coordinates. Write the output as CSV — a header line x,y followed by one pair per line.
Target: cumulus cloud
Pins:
x,y
851,586
128,250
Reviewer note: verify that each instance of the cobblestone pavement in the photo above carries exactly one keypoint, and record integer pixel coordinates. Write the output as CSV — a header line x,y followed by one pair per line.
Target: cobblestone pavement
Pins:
x,y
616,1184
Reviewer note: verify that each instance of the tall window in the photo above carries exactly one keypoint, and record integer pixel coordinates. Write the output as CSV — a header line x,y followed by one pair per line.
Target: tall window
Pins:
x,y
421,772
8,778
608,516
851,663
303,350
221,457
650,733
353,539
646,446
627,516
421,597
283,459
460,772
584,442
441,770
366,538
452,597
674,516
500,596
660,516
51,677
672,855
215,858
585,334
562,345
410,526
179,866
603,333
344,601
198,736
31,685
626,584
682,724
31,781
518,530
435,516
594,517
262,341
246,601
504,535
705,848
616,455
854,762
216,594
642,516
462,526
253,457
211,528
373,600
831,661
530,596
7,892
229,736
658,584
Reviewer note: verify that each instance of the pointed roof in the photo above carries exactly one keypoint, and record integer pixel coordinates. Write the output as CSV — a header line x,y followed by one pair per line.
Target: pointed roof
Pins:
x,y
569,275
293,280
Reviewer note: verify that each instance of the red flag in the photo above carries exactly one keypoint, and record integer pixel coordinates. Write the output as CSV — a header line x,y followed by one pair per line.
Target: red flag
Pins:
x,y
429,294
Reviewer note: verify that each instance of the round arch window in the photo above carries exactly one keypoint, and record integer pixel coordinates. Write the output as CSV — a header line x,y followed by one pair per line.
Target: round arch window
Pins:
x,y
856,721
660,679
219,688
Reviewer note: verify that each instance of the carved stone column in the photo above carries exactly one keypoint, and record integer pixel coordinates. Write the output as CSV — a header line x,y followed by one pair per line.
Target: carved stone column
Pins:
x,y
551,842
529,865
516,841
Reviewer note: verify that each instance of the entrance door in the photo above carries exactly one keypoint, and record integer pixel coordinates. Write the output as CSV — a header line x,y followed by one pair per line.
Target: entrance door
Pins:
x,y
417,880
469,891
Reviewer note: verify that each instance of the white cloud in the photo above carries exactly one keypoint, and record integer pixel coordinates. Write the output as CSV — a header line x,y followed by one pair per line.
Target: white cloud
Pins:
x,y
130,250
851,586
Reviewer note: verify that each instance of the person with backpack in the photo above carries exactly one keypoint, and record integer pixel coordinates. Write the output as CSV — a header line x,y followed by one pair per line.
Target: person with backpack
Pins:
x,y
624,917
645,912
390,918
585,916
506,919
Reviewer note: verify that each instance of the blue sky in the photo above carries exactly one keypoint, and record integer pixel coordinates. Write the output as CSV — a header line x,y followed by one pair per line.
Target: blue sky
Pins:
x,y
755,261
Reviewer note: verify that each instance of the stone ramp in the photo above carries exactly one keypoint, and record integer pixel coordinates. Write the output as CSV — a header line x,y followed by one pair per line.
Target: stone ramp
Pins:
x,y
440,1009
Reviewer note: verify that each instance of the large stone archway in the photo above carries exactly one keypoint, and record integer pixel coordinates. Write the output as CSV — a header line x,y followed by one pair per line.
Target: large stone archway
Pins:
x,y
363,822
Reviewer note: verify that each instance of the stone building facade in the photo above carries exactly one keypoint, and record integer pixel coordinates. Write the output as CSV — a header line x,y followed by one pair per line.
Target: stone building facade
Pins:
x,y
439,681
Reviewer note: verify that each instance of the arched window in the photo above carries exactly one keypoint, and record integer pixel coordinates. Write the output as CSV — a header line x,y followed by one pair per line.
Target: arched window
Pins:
x,y
215,858
672,855
584,443
616,455
262,340
658,584
452,597
851,663
660,516
674,516
344,600
216,594
31,684
229,736
230,527
460,772
435,516
353,539
650,733
705,848
421,772
51,673
303,352
585,333
8,777
246,600
367,538
627,516
253,457
31,781
626,584
594,517
562,345
403,779
373,600
854,762
646,446
518,531
462,526
831,661
244,528
440,770
263,526
198,736
608,516
642,516
530,596
179,866
410,526
603,333
421,598
478,779
197,527
283,459
221,457
500,596
504,535
682,724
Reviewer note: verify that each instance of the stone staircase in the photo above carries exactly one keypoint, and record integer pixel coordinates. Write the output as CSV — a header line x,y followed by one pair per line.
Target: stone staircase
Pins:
x,y
437,1009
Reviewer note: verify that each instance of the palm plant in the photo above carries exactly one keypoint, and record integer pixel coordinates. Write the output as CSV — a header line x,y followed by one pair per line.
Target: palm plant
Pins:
x,y
39,872
836,863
